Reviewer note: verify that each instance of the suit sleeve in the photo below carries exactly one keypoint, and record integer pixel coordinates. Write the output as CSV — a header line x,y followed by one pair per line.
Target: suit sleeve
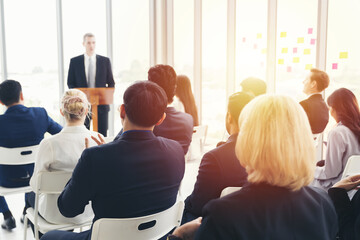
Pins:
x,y
110,79
78,191
53,127
71,75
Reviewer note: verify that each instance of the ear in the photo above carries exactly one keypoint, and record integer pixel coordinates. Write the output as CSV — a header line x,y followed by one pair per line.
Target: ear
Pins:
x,y
161,120
313,84
122,111
21,96
61,112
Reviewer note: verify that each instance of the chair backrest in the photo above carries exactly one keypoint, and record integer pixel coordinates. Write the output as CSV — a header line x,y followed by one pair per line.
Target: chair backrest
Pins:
x,y
352,166
52,182
141,228
228,190
18,156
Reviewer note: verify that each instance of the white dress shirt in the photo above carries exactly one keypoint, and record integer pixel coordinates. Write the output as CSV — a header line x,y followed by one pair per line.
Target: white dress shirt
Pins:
x,y
61,152
342,143
86,64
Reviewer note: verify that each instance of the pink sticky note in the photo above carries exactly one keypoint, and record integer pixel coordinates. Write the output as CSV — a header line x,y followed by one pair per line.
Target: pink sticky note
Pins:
x,y
244,39
312,41
294,50
310,30
334,66
255,46
288,69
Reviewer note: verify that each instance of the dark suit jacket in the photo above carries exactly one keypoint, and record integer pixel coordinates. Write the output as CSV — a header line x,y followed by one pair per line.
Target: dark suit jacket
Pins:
x,y
21,126
219,169
137,175
177,126
261,211
317,112
348,213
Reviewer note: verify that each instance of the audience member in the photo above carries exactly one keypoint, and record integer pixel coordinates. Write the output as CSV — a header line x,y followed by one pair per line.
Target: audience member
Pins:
x,y
254,86
20,126
276,148
138,174
61,153
315,106
186,97
219,168
348,211
343,140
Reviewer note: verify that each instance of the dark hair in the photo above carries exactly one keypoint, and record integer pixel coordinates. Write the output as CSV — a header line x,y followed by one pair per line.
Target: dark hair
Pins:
x,y
10,92
145,103
254,85
165,77
321,78
237,102
184,93
344,103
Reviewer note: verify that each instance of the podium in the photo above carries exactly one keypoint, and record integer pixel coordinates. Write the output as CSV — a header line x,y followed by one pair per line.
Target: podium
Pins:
x,y
98,96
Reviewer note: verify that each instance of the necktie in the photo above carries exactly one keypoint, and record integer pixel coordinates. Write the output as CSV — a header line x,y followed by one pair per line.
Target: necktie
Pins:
x,y
91,75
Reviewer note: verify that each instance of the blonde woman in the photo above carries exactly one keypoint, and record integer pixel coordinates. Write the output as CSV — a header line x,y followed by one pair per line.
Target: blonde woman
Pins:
x,y
276,148
62,151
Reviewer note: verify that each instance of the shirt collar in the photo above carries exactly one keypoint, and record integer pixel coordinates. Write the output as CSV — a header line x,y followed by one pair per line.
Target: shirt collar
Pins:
x,y
87,56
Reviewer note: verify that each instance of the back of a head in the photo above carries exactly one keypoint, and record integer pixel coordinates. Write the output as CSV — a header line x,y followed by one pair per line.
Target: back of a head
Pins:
x,y
10,92
321,78
145,103
74,105
184,93
254,85
275,142
165,77
237,102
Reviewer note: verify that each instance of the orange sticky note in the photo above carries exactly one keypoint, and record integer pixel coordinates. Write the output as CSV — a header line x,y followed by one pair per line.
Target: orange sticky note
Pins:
x,y
296,59
300,40
307,51
259,35
281,61
308,66
284,50
283,34
344,55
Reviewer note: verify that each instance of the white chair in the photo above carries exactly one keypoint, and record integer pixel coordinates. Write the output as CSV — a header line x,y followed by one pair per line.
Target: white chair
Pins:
x,y
228,190
48,183
352,166
141,228
198,139
17,156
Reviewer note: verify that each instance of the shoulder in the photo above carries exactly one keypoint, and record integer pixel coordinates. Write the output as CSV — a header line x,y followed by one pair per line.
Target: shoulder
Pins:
x,y
39,110
77,58
102,58
170,145
338,131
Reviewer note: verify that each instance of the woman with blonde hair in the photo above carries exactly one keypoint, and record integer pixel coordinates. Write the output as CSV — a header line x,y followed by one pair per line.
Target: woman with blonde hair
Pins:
x,y
62,151
276,148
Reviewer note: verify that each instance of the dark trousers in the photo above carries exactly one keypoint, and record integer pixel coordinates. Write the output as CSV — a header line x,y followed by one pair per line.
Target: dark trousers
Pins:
x,y
103,119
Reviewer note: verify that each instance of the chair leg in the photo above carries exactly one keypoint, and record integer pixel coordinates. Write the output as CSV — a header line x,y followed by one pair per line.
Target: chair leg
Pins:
x,y
36,231
25,227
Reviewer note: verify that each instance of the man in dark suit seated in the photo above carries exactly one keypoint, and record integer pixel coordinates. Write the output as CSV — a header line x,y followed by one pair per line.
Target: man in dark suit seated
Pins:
x,y
220,167
137,175
315,106
20,126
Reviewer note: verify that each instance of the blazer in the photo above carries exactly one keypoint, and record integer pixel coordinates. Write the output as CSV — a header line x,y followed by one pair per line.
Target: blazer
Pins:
x,y
317,112
177,126
21,126
262,211
218,169
61,152
137,175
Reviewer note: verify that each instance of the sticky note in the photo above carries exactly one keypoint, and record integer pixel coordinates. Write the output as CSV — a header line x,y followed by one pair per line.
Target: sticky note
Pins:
x,y
296,59
243,39
310,30
288,69
307,51
344,55
294,50
259,35
334,66
263,51
308,66
284,50
281,61
283,34
300,40
255,46
312,41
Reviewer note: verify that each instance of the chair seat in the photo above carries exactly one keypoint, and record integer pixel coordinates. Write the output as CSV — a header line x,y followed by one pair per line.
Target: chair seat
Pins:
x,y
45,226
7,191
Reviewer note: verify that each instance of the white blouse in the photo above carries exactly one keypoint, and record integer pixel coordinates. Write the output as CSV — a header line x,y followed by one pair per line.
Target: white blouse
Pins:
x,y
61,152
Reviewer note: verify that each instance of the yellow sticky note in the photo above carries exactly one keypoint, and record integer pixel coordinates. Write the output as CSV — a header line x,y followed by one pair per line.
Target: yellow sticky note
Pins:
x,y
281,61
301,40
307,51
284,50
283,34
308,66
263,51
259,35
344,55
296,59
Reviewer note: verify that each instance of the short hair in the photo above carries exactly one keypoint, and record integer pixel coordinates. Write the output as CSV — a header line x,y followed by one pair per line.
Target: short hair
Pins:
x,y
275,142
87,35
165,77
145,103
10,92
237,102
254,85
74,104
321,78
